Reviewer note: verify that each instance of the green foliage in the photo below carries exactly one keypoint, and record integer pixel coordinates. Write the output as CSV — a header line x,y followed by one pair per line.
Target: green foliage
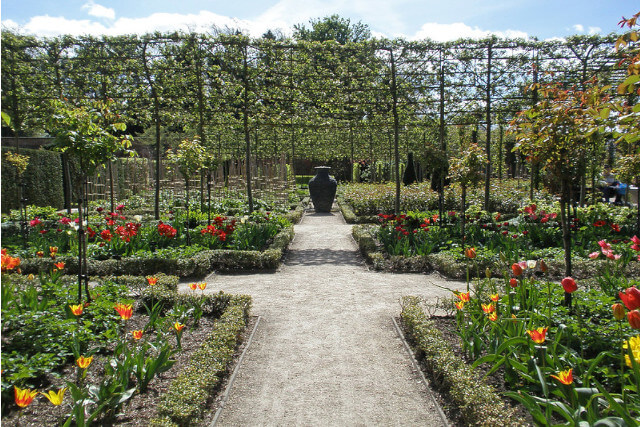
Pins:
x,y
332,28
40,332
477,402
42,178
188,158
87,134
468,169
184,402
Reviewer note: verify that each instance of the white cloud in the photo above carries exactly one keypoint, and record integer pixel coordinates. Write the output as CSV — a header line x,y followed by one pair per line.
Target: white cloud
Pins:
x,y
99,11
52,26
594,30
203,21
579,28
458,30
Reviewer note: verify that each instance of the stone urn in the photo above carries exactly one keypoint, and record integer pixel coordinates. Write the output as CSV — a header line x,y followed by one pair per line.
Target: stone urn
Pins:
x,y
322,189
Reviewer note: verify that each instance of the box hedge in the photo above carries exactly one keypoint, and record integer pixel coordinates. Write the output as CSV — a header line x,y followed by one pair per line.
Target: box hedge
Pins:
x,y
198,265
42,178
476,402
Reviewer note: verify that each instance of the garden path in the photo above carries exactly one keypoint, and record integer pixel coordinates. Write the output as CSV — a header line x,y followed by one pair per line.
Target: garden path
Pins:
x,y
326,351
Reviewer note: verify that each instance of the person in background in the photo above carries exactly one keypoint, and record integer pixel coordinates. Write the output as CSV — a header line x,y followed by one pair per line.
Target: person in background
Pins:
x,y
609,185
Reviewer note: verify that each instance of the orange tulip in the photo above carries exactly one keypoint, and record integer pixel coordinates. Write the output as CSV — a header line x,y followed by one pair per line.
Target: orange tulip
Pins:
x,y
152,280
493,316
58,266
178,326
459,305
470,253
124,310
39,254
84,362
76,309
193,286
494,297
202,286
137,334
488,308
618,311
538,335
565,377
24,397
464,297
8,262
53,250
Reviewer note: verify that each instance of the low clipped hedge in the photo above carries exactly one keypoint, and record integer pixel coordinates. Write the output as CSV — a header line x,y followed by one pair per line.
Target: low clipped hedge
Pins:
x,y
185,401
198,265
477,403
350,216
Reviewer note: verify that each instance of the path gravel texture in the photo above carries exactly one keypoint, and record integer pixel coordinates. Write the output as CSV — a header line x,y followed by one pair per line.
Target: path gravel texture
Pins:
x,y
326,352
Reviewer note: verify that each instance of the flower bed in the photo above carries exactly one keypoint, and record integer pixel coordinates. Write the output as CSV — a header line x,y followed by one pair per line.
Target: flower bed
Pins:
x,y
108,354
474,401
421,241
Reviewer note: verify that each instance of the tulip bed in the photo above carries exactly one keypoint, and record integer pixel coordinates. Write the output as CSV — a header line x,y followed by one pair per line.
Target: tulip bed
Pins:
x,y
112,359
566,348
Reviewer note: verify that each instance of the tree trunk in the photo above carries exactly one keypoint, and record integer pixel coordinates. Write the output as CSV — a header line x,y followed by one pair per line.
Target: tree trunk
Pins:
x,y
566,232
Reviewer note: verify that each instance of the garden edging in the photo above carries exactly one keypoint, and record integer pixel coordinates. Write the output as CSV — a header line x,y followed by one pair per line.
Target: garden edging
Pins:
x,y
476,401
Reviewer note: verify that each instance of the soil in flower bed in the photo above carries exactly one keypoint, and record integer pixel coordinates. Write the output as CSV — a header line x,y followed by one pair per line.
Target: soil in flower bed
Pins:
x,y
141,408
447,327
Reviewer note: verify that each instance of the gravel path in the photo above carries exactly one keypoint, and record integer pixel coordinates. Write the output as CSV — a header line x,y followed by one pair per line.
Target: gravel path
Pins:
x,y
326,351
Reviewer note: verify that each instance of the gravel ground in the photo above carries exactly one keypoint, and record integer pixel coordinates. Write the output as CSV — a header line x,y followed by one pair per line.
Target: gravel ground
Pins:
x,y
326,351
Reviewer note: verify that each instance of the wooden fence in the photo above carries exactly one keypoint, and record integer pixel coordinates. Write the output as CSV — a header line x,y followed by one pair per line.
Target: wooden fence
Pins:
x,y
269,178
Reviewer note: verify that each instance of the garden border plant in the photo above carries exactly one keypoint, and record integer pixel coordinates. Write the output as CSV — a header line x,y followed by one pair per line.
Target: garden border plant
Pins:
x,y
185,401
449,266
476,401
198,265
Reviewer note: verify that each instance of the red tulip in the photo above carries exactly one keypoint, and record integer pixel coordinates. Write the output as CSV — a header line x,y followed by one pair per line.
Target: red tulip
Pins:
x,y
517,270
569,285
634,319
513,282
631,298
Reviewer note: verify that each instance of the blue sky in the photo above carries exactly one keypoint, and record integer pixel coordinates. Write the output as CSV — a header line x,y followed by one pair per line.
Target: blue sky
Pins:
x,y
411,19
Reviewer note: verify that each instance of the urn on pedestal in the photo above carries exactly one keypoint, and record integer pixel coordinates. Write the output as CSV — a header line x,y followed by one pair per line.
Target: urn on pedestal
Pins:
x,y
322,189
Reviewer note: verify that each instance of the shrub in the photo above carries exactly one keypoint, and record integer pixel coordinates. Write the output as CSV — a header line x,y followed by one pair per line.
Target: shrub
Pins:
x,y
184,402
42,178
477,402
